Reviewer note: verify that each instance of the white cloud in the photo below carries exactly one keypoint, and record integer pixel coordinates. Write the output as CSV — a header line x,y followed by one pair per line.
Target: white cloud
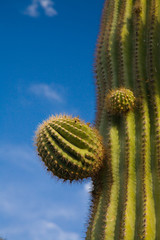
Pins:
x,y
39,230
20,155
32,219
14,198
46,91
28,213
49,230
32,10
88,187
47,5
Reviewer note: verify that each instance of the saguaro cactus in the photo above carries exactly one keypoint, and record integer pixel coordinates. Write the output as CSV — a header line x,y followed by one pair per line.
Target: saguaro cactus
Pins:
x,y
126,185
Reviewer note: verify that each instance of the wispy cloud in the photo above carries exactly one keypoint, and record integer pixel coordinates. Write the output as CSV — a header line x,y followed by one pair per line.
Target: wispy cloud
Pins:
x,y
26,211
34,221
38,230
33,10
46,91
88,187
18,155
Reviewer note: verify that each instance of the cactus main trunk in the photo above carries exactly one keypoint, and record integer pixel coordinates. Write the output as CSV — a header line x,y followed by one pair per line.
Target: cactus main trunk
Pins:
x,y
125,169
126,193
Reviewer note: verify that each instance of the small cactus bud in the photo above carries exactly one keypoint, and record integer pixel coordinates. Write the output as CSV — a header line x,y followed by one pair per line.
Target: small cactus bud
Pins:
x,y
70,149
120,101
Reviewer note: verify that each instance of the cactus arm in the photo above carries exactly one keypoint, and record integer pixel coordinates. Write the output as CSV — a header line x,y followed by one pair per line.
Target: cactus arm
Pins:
x,y
69,155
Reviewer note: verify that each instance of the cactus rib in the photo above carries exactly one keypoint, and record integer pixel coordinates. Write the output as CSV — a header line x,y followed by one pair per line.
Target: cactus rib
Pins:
x,y
125,168
69,155
133,211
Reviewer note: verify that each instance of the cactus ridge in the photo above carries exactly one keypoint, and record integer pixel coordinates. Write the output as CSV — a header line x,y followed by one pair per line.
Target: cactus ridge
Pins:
x,y
63,146
129,55
154,86
145,202
72,138
125,169
102,60
69,155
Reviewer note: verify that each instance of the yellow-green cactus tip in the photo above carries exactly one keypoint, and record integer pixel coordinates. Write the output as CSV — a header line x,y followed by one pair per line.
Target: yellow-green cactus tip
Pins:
x,y
70,149
120,101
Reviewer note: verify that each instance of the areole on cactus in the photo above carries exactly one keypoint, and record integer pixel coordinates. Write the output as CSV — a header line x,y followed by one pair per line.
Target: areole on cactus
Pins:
x,y
120,101
126,179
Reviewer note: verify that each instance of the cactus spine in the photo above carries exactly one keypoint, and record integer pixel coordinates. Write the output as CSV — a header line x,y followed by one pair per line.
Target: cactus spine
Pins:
x,y
126,186
120,101
128,56
70,149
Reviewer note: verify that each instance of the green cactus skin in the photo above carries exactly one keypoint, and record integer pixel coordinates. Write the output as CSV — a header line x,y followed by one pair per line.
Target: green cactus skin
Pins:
x,y
126,194
126,188
70,149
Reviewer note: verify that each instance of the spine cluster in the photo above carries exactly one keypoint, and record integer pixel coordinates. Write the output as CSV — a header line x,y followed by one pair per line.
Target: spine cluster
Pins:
x,y
120,101
70,149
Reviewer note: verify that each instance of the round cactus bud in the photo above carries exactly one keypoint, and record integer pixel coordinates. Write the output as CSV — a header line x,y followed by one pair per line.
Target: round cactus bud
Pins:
x,y
120,101
70,149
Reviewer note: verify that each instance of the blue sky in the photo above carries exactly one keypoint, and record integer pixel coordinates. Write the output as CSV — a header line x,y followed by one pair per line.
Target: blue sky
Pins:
x,y
46,58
